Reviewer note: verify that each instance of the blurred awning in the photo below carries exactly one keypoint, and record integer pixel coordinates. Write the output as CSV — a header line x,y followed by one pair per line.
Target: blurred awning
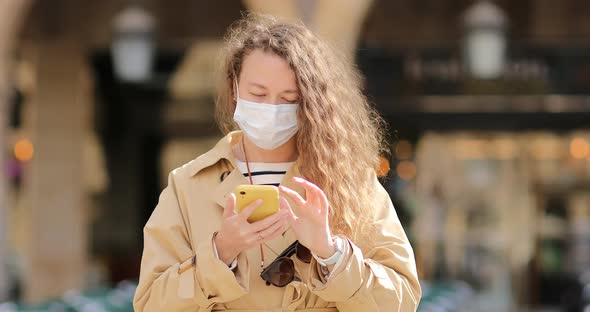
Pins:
x,y
428,89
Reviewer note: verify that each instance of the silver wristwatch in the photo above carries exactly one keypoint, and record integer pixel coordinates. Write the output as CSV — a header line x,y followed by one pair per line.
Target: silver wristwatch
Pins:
x,y
335,257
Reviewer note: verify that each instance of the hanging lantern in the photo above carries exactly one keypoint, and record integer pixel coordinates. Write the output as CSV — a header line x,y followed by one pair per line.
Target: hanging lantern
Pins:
x,y
485,40
133,45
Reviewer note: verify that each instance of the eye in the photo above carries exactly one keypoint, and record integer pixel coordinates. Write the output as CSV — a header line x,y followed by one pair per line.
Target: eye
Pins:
x,y
259,95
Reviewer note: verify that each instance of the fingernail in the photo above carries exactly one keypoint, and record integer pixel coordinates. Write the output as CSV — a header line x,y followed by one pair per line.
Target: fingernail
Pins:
x,y
298,179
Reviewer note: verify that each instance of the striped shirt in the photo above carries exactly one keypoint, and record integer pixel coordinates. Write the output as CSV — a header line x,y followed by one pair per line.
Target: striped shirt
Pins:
x,y
265,173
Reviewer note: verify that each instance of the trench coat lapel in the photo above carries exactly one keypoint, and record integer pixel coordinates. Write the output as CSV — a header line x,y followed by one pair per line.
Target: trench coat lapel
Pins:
x,y
227,186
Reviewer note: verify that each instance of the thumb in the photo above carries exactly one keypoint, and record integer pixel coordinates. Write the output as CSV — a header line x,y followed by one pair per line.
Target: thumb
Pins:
x,y
230,204
284,204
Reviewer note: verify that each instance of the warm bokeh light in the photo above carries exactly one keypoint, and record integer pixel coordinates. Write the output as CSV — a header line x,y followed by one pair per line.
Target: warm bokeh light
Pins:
x,y
403,150
505,148
579,148
547,148
471,148
23,150
406,170
384,167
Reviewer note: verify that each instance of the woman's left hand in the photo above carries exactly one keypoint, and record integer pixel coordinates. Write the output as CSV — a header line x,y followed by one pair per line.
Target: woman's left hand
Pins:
x,y
311,224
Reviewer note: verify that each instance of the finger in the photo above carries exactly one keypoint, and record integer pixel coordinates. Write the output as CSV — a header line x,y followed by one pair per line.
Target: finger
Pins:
x,y
303,205
313,192
266,222
248,210
284,207
274,231
294,196
256,237
265,233
291,217
230,204
310,195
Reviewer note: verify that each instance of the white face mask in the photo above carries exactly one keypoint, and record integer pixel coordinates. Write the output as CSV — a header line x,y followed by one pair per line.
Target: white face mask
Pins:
x,y
266,125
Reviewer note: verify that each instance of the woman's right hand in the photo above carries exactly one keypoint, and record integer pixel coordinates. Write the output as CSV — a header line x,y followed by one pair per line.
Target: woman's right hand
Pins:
x,y
237,234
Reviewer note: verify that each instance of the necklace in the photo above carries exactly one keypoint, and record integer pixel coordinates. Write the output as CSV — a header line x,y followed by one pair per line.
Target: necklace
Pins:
x,y
247,163
252,183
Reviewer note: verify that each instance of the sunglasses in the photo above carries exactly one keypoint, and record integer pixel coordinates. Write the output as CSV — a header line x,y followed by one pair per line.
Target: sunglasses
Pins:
x,y
281,271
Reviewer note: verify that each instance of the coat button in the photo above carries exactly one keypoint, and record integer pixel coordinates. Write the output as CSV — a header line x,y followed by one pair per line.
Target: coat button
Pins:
x,y
224,175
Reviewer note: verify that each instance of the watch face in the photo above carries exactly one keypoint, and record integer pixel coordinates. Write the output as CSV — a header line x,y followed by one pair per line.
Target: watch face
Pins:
x,y
341,243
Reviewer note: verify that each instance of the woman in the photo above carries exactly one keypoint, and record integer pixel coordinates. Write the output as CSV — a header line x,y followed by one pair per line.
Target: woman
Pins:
x,y
307,128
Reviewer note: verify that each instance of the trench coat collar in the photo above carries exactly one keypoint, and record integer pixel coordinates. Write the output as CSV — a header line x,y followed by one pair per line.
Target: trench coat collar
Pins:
x,y
223,152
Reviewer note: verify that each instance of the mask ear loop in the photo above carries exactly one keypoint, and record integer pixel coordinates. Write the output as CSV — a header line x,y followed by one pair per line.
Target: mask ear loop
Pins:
x,y
237,89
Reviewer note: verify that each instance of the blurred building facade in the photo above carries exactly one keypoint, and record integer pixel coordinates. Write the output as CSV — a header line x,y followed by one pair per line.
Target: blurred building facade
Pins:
x,y
490,176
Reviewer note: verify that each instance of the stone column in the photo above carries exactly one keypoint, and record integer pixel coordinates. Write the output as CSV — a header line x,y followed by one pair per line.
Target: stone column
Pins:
x,y
338,21
286,9
11,16
57,244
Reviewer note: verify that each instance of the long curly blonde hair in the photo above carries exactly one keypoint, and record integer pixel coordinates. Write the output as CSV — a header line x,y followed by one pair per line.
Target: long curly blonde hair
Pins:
x,y
340,135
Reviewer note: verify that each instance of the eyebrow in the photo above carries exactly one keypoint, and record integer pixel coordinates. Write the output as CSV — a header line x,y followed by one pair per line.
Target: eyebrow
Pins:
x,y
263,87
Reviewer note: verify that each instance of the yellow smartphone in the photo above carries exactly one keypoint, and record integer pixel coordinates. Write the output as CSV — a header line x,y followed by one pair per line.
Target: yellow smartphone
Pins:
x,y
247,194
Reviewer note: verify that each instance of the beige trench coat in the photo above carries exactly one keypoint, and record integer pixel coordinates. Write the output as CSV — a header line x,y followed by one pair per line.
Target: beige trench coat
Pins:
x,y
189,212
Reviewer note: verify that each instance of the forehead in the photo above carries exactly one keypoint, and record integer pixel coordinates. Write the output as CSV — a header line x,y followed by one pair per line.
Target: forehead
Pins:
x,y
268,69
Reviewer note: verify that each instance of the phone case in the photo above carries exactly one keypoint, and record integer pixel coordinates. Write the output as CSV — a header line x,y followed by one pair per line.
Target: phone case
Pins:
x,y
247,194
